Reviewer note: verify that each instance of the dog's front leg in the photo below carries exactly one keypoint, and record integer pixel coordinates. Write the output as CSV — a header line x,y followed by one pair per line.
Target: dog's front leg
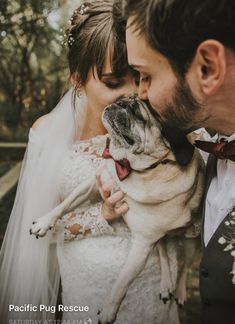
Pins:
x,y
189,249
135,263
77,197
166,286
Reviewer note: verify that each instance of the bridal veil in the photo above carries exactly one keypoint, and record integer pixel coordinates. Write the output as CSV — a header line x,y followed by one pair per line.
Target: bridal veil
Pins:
x,y
28,266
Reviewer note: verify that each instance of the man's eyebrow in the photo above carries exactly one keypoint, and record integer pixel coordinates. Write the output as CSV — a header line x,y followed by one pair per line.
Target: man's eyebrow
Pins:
x,y
135,66
109,74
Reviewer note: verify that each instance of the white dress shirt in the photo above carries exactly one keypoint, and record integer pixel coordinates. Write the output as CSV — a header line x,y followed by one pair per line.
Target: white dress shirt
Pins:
x,y
221,195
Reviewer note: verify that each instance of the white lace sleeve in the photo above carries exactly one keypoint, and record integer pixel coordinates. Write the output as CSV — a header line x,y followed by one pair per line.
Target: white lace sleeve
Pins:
x,y
80,163
89,222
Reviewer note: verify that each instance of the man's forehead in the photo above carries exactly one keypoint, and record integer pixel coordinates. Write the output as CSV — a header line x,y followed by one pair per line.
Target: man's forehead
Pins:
x,y
132,31
135,42
140,54
130,21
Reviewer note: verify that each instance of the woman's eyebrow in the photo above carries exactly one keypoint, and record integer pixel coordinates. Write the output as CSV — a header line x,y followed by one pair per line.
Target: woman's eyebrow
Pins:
x,y
112,76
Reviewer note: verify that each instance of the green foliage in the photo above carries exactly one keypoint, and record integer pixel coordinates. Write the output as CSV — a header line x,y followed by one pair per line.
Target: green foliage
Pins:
x,y
32,60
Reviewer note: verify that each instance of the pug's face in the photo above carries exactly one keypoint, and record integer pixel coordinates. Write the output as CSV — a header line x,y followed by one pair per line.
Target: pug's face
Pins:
x,y
135,134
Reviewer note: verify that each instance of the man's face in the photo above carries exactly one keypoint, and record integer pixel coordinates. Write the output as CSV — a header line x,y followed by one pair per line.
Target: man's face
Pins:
x,y
170,96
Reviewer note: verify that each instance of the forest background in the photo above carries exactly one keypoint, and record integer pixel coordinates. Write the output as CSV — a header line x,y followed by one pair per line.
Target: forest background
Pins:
x,y
33,65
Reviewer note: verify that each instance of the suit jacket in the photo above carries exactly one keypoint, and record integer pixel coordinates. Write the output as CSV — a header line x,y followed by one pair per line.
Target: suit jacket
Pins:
x,y
216,287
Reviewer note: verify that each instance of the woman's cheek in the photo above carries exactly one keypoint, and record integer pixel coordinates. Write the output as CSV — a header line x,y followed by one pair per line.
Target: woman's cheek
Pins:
x,y
109,97
104,101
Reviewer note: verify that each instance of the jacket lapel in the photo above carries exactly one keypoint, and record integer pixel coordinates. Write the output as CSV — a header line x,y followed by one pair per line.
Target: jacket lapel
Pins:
x,y
211,172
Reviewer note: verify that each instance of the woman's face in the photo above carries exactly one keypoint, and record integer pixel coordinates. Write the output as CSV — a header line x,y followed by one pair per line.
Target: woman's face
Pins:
x,y
104,91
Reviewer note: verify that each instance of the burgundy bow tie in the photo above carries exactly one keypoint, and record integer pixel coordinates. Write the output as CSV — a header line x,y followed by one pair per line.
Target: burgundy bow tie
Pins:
x,y
222,150
123,167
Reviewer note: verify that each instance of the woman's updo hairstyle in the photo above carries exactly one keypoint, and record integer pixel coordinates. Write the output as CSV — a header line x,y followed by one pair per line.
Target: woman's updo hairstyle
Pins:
x,y
90,34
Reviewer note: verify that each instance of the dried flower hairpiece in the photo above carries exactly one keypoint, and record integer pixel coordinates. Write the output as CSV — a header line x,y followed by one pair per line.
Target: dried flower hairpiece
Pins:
x,y
67,38
83,9
228,239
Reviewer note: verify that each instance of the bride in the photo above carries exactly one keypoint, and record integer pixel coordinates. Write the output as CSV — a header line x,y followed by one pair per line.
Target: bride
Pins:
x,y
87,249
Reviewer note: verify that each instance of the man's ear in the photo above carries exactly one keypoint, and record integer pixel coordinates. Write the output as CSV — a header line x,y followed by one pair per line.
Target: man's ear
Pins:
x,y
181,147
210,60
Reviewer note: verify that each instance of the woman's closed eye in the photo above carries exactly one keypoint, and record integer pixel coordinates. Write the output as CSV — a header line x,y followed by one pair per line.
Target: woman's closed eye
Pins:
x,y
113,83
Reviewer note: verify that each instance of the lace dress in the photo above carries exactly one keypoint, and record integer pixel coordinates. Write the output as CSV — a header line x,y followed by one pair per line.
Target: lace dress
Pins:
x,y
92,255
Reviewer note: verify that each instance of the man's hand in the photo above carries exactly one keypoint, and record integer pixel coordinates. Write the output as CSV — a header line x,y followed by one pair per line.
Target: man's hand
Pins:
x,y
114,205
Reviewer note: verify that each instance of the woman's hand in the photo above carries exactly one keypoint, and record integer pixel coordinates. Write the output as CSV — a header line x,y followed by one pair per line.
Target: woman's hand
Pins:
x,y
114,204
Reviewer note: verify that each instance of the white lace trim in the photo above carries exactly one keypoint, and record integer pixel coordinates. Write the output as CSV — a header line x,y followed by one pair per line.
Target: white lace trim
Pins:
x,y
90,223
81,162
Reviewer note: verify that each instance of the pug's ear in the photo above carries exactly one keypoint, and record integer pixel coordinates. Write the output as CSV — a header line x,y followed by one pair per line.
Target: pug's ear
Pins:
x,y
181,147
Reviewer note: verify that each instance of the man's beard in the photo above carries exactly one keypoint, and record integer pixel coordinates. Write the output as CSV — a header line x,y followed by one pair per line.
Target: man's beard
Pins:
x,y
183,112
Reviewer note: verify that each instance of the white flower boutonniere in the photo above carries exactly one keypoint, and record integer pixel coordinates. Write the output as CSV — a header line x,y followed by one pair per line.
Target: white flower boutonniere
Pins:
x,y
228,239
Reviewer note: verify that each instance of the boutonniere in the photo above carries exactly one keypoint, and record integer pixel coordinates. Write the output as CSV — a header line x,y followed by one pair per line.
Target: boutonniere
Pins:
x,y
228,239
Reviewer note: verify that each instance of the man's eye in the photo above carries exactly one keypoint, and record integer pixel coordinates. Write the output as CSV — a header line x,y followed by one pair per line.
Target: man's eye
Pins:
x,y
144,78
136,76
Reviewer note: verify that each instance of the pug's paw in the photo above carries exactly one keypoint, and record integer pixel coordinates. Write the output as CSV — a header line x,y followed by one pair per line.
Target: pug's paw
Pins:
x,y
165,295
108,313
181,295
41,226
166,287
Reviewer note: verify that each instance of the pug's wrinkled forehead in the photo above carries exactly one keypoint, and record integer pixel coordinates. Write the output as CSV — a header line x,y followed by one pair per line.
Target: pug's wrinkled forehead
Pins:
x,y
133,106
133,131
141,110
127,120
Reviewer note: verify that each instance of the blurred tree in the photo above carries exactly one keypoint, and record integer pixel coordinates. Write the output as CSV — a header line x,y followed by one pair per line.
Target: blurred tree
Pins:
x,y
32,59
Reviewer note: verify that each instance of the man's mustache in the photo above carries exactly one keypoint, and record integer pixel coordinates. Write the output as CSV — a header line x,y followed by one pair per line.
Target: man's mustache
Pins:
x,y
168,124
155,114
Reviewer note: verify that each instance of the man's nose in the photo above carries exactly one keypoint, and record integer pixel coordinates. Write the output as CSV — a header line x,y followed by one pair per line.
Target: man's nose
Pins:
x,y
132,89
142,91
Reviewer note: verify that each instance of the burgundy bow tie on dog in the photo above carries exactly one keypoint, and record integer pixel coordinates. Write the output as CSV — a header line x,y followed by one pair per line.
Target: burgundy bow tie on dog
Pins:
x,y
123,167
222,150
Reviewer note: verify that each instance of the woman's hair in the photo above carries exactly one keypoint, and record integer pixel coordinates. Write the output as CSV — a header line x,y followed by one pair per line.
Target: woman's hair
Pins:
x,y
90,37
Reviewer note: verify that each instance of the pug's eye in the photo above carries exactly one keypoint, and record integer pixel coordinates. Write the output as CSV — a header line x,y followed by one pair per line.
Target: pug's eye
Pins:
x,y
138,114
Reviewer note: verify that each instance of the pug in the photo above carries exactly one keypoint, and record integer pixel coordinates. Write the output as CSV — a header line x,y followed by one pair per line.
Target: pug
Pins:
x,y
162,177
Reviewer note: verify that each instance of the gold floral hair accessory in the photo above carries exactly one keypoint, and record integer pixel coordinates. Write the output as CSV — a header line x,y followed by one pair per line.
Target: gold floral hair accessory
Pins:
x,y
83,9
67,38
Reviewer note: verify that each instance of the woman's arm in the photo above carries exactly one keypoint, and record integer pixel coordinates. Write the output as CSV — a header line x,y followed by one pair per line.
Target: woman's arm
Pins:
x,y
89,222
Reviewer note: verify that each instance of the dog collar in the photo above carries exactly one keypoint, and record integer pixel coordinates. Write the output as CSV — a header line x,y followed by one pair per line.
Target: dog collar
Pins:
x,y
123,167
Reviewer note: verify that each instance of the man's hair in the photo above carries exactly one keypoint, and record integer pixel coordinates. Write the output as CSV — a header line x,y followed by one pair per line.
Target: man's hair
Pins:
x,y
176,28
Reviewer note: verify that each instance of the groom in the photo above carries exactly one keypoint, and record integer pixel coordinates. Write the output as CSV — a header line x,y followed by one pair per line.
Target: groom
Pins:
x,y
184,51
